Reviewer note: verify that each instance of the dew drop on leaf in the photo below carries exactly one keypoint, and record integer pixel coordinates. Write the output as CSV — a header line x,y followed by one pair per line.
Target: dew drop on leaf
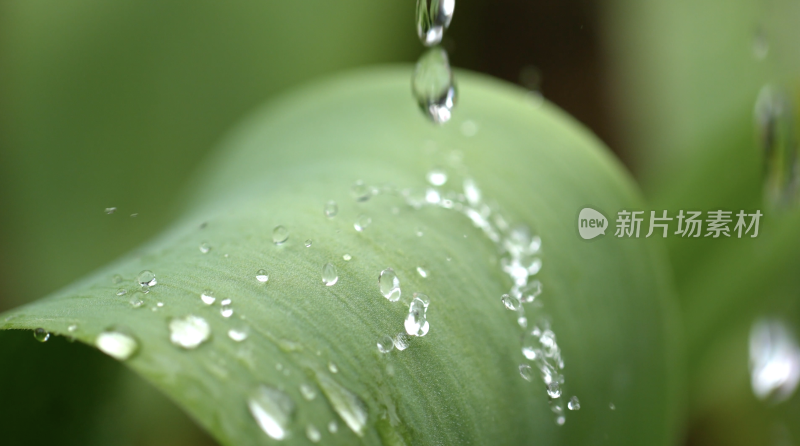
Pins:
x,y
207,296
437,177
511,302
416,323
348,405
385,344
526,372
308,392
41,335
237,335
189,332
146,278
313,434
329,275
574,403
118,345
122,292
272,409
389,285
280,234
205,248
262,275
362,222
331,209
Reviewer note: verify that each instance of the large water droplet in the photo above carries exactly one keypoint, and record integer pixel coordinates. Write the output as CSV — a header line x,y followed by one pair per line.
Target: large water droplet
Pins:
x,y
416,322
347,404
774,360
433,18
574,403
331,209
272,409
308,392
280,234
437,177
262,275
329,275
389,284
385,344
207,296
189,332
118,345
362,222
313,434
433,85
146,278
41,335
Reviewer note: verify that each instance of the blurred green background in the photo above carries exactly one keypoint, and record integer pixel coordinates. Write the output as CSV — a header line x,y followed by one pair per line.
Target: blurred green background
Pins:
x,y
114,104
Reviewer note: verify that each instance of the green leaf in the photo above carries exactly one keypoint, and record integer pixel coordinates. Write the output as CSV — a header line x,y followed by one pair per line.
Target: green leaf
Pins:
x,y
609,301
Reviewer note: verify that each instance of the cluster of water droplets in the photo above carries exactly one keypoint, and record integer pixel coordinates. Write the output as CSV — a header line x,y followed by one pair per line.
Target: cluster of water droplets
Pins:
x,y
432,82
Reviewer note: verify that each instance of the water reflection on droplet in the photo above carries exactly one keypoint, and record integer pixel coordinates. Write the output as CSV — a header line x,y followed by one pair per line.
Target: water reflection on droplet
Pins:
x,y
329,275
433,85
116,344
433,18
280,234
333,368
308,243
774,360
272,409
416,322
389,285
511,302
146,278
189,332
122,292
207,296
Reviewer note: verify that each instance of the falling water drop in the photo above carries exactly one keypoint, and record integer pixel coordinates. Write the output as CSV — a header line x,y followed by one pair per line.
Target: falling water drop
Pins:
x,y
574,403
416,322
280,234
362,222
189,332
116,344
272,409
433,18
433,85
205,247
41,335
554,389
437,176
146,278
389,284
385,344
329,275
331,209
529,292
207,296
262,275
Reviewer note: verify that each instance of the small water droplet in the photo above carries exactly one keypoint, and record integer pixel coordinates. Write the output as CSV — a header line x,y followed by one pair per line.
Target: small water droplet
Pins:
x,y
522,321
72,328
136,302
189,332
122,292
433,18
146,278
226,311
207,296
471,192
419,232
560,420
331,209
360,191
554,389
385,344
469,128
416,322
160,304
110,211
347,404
313,434
437,176
329,275
612,406
116,344
401,341
422,272
433,86
237,335
362,222
332,367
511,302
526,372
41,335
280,234
308,243
134,215
308,392
389,285
144,289
333,427
574,403
226,302
432,196
116,279
272,409
347,257
262,276
205,247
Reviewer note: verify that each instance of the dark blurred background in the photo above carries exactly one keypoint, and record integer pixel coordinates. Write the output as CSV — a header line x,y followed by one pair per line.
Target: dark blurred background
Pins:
x,y
114,104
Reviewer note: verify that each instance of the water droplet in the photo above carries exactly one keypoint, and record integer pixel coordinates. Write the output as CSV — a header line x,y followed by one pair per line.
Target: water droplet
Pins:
x,y
237,335
136,302
437,176
205,247
118,345
401,341
146,278
122,292
347,257
207,296
469,128
308,392
433,18
280,234
432,196
262,276
332,367
331,209
110,211
360,191
612,406
41,335
313,434
347,404
329,275
333,427
422,272
385,344
554,389
774,360
560,420
574,403
389,284
160,304
471,192
72,328
423,298
116,279
308,243
511,302
226,302
522,321
272,409
362,222
526,372
419,232
189,332
433,85
226,311
529,292
416,322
